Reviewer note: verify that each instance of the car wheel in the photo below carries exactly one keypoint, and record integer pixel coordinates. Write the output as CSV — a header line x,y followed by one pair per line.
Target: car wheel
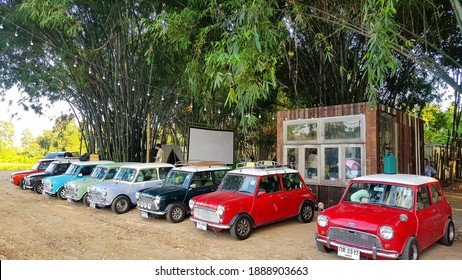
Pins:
x,y
38,188
21,184
62,193
449,234
121,205
85,200
322,248
176,213
306,212
411,250
241,228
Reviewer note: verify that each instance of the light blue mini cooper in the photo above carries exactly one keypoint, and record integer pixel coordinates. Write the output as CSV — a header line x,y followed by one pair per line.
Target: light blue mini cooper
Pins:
x,y
78,170
119,193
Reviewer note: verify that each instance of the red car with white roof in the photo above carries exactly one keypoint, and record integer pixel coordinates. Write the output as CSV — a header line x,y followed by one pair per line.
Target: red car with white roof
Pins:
x,y
386,216
17,178
251,196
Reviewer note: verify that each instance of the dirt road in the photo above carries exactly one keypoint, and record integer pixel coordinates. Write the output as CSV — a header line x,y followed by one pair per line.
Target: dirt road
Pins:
x,y
35,227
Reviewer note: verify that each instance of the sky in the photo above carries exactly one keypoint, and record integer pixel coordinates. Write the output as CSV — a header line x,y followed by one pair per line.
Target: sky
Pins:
x,y
28,119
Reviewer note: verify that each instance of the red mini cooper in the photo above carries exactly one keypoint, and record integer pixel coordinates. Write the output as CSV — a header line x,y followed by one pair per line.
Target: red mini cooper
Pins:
x,y
17,178
253,195
386,216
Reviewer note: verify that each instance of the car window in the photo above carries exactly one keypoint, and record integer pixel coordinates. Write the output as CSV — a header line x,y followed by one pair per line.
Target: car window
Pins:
x,y
86,170
125,174
218,175
63,166
383,194
148,174
436,193
44,165
291,181
423,198
163,171
269,184
111,173
200,179
239,183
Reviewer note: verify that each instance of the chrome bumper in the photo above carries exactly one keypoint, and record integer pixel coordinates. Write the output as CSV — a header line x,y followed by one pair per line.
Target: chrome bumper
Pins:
x,y
210,224
372,252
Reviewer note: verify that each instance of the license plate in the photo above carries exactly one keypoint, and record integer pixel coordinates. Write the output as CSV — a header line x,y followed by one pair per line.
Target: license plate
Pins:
x,y
144,215
201,225
348,252
92,204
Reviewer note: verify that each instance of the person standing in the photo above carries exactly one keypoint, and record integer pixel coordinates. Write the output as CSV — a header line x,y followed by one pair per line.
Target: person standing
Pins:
x,y
429,170
160,153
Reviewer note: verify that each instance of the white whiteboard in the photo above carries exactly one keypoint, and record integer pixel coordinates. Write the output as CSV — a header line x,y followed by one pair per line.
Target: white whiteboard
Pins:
x,y
211,145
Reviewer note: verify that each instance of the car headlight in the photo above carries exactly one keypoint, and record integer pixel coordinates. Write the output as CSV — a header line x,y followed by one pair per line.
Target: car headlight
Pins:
x,y
191,204
323,221
387,232
157,200
137,195
220,210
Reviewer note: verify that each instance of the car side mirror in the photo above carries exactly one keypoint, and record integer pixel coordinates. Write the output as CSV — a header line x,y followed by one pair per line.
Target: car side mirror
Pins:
x,y
80,175
192,186
261,193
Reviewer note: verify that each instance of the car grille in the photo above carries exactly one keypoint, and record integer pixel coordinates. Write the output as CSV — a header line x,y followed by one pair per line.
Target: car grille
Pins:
x,y
95,196
70,191
147,203
354,237
206,215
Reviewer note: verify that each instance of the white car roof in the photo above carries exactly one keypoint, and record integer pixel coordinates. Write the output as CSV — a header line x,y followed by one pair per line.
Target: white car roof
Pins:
x,y
84,163
197,165
262,168
403,179
147,165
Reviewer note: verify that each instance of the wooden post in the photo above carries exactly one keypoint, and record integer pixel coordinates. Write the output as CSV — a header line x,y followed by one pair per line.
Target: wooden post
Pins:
x,y
148,138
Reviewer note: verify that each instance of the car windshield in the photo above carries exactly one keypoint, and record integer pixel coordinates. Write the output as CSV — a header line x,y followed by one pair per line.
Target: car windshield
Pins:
x,y
125,174
238,183
179,178
383,194
98,172
73,169
36,165
51,168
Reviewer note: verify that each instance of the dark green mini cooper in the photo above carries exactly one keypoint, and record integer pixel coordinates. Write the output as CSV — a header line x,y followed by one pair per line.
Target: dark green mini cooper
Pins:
x,y
185,181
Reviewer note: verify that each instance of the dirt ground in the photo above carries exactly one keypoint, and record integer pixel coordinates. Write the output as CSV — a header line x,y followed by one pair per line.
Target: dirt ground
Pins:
x,y
37,227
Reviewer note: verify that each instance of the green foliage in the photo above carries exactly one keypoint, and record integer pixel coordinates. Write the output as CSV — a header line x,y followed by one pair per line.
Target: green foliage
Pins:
x,y
6,135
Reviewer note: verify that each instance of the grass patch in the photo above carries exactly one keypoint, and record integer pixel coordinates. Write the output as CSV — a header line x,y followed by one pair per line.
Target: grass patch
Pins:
x,y
15,166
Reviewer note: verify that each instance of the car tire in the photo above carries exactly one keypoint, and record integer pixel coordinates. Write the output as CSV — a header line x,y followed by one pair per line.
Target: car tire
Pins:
x,y
306,212
121,205
61,193
322,248
449,234
176,213
85,200
38,188
242,228
411,250
21,184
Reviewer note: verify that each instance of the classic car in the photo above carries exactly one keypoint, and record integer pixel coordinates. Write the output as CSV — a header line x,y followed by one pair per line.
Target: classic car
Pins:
x,y
119,193
76,190
54,186
386,216
253,195
185,181
17,178
57,167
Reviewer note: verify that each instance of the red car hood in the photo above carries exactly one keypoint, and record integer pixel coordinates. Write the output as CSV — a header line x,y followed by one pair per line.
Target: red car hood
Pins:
x,y
24,172
212,200
364,217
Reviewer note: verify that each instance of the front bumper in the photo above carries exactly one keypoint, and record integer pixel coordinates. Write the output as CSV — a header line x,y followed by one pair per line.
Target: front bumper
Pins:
x,y
373,252
209,224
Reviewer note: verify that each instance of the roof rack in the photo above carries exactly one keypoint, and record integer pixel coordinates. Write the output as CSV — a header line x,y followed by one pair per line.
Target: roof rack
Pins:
x,y
262,164
198,163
